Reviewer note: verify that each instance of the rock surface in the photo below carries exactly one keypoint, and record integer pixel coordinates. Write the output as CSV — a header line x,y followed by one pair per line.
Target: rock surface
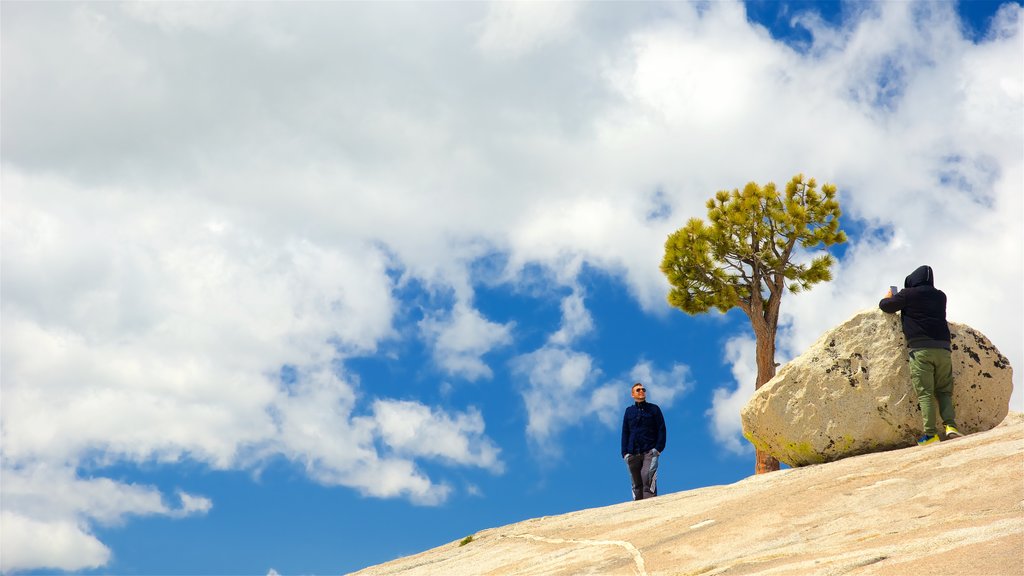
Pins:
x,y
850,393
954,508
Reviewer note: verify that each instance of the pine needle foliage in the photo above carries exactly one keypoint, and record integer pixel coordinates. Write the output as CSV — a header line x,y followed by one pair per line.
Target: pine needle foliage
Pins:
x,y
743,256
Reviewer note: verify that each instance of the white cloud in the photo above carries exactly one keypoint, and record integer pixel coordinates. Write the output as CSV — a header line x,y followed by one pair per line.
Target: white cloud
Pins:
x,y
134,329
663,387
460,339
318,428
606,403
148,329
512,29
576,320
47,512
556,375
554,378
193,504
415,430
62,545
43,491
685,72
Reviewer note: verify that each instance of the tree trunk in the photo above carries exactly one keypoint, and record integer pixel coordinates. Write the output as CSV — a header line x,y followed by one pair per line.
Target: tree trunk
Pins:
x,y
765,462
765,336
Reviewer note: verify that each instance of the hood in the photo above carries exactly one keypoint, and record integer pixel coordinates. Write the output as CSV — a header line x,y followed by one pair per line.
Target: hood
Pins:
x,y
923,276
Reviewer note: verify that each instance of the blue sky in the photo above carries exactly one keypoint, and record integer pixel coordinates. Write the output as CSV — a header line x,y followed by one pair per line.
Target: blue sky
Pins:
x,y
303,288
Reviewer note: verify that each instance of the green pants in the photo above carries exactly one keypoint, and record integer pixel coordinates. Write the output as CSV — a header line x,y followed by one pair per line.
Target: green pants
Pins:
x,y
931,372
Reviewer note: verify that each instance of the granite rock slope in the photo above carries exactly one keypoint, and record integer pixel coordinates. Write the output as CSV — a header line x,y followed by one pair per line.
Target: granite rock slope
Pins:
x,y
955,508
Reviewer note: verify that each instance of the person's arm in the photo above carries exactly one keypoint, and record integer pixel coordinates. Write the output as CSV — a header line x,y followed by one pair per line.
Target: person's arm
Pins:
x,y
662,433
625,432
893,303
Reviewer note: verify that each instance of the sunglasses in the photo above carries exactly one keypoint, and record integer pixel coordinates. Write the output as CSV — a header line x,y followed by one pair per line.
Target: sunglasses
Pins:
x,y
639,389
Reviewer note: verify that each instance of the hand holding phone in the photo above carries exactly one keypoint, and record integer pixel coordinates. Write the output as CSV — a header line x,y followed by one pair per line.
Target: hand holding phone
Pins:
x,y
892,291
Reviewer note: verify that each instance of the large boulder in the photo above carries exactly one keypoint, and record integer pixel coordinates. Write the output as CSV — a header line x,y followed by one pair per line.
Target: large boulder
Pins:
x,y
850,393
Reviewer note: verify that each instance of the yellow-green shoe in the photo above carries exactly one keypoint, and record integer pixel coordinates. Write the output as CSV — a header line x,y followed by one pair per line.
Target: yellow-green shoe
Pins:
x,y
927,439
952,432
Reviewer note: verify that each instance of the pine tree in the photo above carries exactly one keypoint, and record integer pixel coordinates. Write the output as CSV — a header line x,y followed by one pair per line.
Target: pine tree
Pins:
x,y
744,257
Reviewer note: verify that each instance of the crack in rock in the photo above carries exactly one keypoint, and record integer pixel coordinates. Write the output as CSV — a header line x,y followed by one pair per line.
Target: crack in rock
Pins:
x,y
638,558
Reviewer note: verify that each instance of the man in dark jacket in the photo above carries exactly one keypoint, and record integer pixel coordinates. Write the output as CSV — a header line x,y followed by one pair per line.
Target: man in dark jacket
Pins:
x,y
922,310
643,441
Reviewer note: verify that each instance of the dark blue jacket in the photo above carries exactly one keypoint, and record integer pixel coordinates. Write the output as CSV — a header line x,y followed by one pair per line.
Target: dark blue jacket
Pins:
x,y
922,310
643,428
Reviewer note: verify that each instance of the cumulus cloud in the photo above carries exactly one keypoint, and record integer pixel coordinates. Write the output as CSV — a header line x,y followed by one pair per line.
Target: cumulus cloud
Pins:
x,y
549,373
461,337
147,329
415,430
189,320
319,427
48,511
513,29
665,385
576,320
62,545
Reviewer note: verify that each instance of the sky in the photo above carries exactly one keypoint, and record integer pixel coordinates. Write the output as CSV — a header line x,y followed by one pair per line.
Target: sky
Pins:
x,y
301,288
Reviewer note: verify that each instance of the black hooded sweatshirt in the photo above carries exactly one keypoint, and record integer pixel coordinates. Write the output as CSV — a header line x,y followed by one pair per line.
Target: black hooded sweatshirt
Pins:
x,y
923,310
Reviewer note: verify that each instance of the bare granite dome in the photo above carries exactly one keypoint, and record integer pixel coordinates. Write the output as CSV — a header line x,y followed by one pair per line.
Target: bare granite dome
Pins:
x,y
955,508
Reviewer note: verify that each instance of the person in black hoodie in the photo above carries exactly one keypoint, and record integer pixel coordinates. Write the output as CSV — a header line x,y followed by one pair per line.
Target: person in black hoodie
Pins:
x,y
922,310
643,441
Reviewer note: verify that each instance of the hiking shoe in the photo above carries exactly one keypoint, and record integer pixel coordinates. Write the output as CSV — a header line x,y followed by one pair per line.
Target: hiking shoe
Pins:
x,y
927,439
952,432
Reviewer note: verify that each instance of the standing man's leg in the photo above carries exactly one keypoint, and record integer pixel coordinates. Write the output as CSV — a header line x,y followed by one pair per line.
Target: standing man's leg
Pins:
x,y
922,376
649,474
634,463
943,363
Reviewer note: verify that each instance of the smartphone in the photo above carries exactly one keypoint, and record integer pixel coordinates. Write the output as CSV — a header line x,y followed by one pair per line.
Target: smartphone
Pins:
x,y
893,290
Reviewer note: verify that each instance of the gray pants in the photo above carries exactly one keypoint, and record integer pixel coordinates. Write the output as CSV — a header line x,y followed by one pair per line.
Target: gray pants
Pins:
x,y
643,472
